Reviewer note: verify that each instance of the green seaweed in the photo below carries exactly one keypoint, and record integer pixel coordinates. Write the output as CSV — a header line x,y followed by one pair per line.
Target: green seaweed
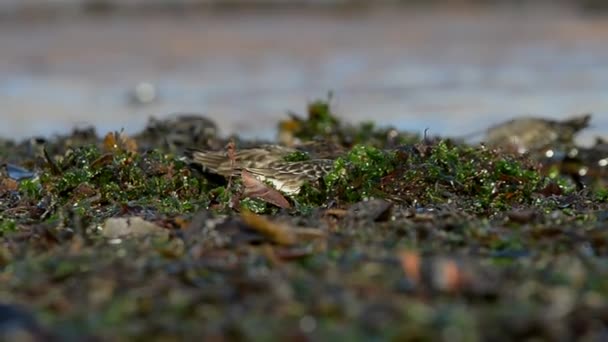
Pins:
x,y
296,156
474,243
358,174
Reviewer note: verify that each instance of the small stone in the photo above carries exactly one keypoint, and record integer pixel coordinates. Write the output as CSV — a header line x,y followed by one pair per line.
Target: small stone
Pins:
x,y
130,227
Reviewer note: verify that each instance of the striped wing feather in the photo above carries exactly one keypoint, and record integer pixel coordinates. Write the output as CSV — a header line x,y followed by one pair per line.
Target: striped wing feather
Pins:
x,y
219,162
289,177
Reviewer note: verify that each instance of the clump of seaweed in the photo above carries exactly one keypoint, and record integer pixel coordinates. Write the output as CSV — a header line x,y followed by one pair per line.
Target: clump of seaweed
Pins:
x,y
322,124
86,179
358,174
401,239
476,177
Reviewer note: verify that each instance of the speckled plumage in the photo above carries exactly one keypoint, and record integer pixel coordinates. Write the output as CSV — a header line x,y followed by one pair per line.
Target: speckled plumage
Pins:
x,y
266,163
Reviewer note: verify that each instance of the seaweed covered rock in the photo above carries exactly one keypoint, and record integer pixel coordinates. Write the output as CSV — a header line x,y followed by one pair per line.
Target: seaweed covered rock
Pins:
x,y
533,134
398,238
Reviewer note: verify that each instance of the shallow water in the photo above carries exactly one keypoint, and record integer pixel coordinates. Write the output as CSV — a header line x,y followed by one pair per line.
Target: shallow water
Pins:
x,y
454,72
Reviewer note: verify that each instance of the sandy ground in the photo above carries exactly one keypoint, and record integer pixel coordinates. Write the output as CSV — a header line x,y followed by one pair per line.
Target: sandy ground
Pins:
x,y
454,72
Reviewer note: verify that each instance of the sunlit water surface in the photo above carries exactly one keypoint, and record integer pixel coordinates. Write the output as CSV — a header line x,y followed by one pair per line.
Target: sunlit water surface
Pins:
x,y
454,72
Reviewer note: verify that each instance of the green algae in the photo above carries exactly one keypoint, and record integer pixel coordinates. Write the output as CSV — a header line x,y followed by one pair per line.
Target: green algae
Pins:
x,y
507,248
358,174
92,179
254,205
7,225
481,178
321,122
31,188
602,195
296,156
355,176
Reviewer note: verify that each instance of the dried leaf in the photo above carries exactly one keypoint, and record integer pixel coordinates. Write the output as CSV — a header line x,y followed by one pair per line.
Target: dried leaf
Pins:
x,y
410,263
103,160
55,170
448,276
119,141
181,222
551,189
374,210
306,234
110,142
128,143
255,188
271,255
84,190
7,184
280,233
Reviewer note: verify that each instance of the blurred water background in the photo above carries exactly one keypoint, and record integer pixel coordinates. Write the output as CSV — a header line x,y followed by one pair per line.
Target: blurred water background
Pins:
x,y
454,67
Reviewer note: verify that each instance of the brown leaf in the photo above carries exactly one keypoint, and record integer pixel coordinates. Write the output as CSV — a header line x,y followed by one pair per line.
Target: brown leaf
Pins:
x,y
128,143
55,170
84,190
119,141
103,160
110,142
255,188
551,189
8,184
280,233
306,234
449,276
410,263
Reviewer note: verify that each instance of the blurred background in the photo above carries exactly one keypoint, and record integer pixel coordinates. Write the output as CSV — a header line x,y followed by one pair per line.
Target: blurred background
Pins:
x,y
454,67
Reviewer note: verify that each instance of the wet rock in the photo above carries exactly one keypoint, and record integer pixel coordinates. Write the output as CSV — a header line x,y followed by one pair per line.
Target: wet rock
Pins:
x,y
522,216
178,131
377,210
602,215
236,232
130,227
532,134
587,164
17,324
